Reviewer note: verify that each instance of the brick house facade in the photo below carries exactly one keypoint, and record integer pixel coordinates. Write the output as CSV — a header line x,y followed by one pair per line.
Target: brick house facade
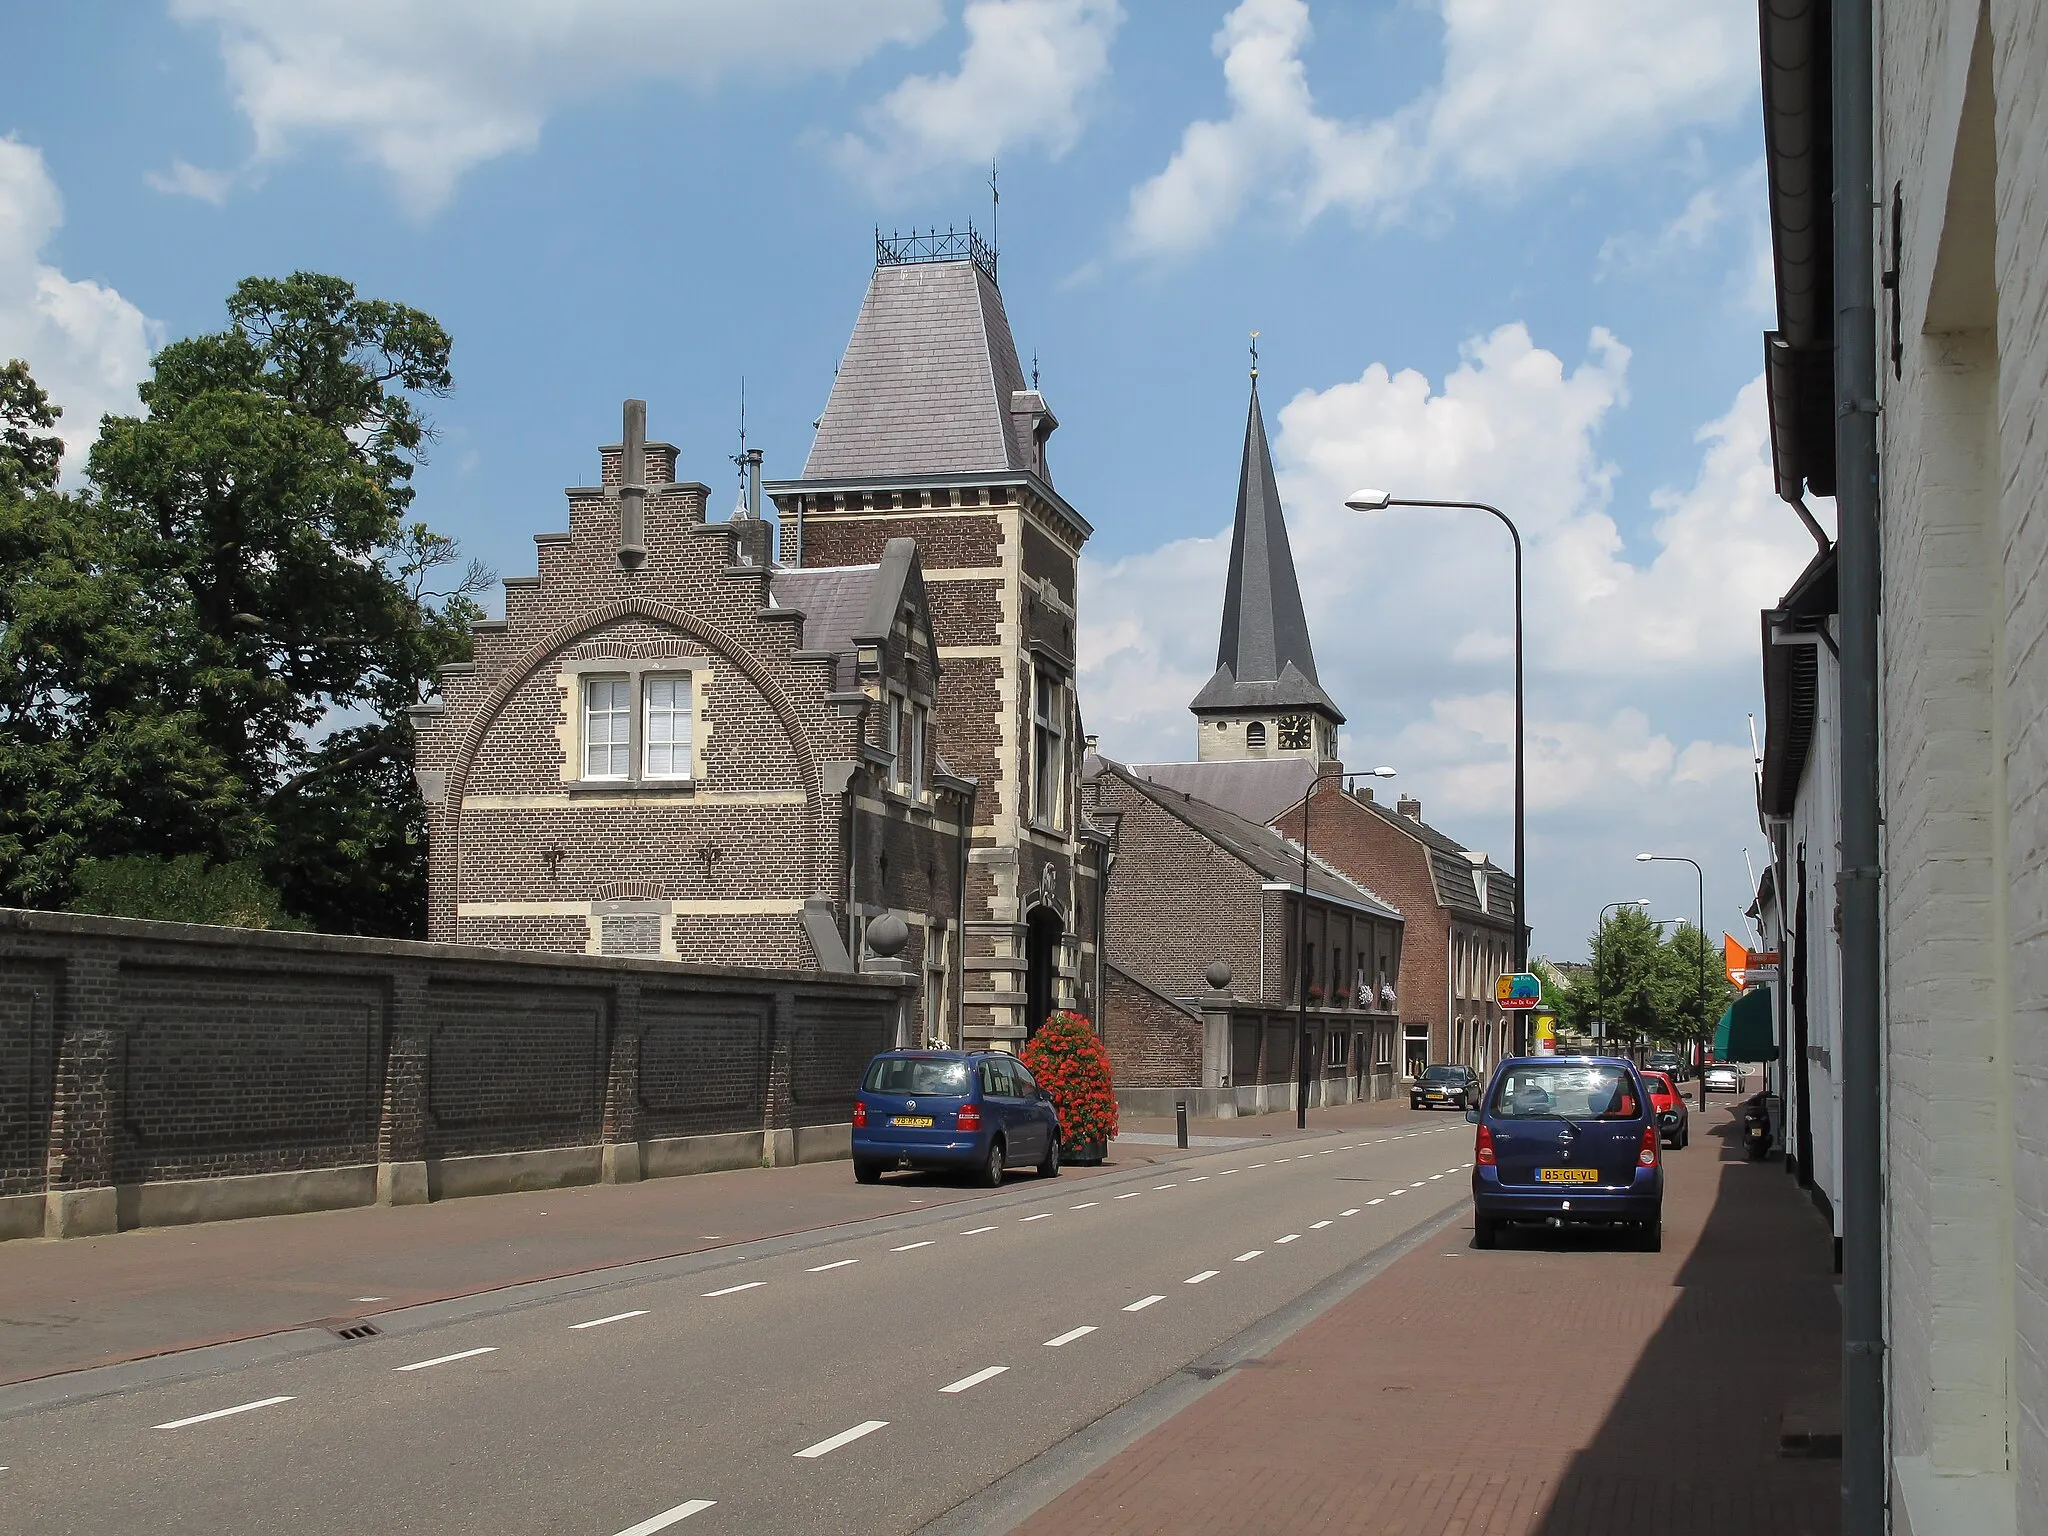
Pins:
x,y
1459,912
669,747
931,433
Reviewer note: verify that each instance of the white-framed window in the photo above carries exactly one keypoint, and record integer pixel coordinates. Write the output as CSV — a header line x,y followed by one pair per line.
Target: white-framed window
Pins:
x,y
669,712
607,727
920,728
1384,1051
1339,1050
1048,749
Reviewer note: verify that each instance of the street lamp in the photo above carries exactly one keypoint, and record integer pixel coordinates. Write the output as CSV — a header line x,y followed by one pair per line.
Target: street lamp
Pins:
x,y
1599,980
1302,1071
1679,858
1379,501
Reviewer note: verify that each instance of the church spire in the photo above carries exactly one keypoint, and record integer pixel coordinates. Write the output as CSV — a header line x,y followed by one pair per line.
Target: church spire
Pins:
x,y
1264,661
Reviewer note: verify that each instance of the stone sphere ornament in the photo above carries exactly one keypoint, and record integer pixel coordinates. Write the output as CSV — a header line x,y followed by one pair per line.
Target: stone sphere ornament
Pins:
x,y
1218,975
887,935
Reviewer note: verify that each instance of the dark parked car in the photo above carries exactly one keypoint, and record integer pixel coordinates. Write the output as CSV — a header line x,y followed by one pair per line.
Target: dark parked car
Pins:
x,y
1445,1087
1567,1140
1671,1064
976,1111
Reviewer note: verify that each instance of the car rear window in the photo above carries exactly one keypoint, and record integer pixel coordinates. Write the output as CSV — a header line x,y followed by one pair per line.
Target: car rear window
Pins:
x,y
1545,1092
1658,1083
909,1074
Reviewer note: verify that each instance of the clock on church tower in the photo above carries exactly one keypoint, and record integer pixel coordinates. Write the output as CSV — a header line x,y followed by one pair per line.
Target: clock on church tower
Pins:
x,y
1295,733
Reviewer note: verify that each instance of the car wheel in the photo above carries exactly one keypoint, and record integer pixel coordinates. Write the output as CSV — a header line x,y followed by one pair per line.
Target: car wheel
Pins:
x,y
991,1174
1685,1137
1485,1232
867,1173
1049,1165
1650,1235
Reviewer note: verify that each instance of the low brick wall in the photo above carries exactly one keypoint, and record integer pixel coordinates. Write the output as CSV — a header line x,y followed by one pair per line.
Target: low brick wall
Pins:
x,y
159,1072
1157,1047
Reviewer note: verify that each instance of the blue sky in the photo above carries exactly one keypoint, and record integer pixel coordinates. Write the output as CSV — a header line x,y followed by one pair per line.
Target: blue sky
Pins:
x,y
1493,249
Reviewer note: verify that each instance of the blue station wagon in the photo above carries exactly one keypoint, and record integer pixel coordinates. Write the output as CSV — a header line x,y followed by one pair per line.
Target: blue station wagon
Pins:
x,y
1567,1140
978,1112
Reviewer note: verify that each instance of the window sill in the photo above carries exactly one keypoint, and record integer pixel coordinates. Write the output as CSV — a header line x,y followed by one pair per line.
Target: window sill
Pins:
x,y
656,788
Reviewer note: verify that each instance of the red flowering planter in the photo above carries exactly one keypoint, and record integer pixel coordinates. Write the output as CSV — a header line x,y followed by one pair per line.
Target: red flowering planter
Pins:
x,y
1069,1061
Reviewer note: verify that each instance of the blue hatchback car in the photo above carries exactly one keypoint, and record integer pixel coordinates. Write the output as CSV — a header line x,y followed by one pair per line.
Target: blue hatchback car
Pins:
x,y
979,1112
1567,1140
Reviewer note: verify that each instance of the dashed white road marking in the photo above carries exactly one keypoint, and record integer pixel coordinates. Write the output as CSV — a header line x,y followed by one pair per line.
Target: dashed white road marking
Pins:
x,y
976,1379
421,1365
1290,1237
1352,1212
1198,1178
1317,1226
844,1437
908,1246
1417,1184
1132,1195
819,1269
1070,1335
1397,1192
219,1413
669,1517
1041,1216
1432,1179
372,1298
1226,1173
733,1290
1277,1161
618,1317
1258,1165
1142,1303
976,1231
1207,1274
1084,1205
1162,1186
1243,1257
1377,1200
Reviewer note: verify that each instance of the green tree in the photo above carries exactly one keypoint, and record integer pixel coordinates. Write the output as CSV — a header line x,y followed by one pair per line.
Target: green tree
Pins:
x,y
216,645
1623,996
185,889
1693,984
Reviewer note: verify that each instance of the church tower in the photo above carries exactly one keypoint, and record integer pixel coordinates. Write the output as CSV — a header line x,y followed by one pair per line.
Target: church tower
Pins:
x,y
932,432
1264,701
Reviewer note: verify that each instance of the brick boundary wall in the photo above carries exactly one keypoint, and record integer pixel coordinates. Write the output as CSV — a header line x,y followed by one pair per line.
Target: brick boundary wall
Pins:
x,y
156,1073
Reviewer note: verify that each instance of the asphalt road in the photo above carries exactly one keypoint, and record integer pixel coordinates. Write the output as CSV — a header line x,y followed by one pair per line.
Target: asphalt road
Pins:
x,y
868,1378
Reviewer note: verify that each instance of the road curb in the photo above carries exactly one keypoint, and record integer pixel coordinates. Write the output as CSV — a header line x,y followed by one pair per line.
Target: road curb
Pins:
x,y
1022,1492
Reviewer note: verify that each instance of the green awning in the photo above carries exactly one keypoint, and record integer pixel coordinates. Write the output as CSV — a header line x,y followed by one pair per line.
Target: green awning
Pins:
x,y
1745,1033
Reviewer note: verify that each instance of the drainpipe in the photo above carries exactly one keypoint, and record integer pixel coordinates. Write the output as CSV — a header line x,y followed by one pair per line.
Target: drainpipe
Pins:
x,y
1858,574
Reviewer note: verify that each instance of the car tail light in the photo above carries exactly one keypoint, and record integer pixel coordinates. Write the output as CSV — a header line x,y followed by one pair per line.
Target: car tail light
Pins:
x,y
860,1114
1646,1155
1482,1151
970,1117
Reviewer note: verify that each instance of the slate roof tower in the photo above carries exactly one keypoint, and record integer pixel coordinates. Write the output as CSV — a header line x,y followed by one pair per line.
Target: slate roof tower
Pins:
x,y
1264,700
932,432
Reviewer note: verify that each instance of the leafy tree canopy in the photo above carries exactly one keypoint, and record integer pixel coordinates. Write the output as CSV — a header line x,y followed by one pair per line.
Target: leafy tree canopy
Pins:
x,y
1644,984
213,647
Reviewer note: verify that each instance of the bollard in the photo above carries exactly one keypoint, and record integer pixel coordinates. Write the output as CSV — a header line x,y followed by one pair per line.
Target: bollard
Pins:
x,y
1180,1123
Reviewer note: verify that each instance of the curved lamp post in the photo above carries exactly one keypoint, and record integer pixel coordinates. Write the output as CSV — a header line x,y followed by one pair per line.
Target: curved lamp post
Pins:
x,y
1379,501
1303,1071
1679,858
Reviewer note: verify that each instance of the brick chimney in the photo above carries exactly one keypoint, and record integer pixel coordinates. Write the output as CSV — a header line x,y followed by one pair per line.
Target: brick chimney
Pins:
x,y
1409,806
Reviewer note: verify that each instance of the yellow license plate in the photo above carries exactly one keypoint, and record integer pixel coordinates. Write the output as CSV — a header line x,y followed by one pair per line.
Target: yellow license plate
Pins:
x,y
1434,1094
1567,1176
923,1121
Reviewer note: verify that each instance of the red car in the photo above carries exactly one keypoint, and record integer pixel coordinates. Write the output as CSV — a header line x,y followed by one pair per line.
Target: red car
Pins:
x,y
1669,1107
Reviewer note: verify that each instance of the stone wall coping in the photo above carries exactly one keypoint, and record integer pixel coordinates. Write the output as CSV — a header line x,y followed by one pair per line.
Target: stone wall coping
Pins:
x,y
24,923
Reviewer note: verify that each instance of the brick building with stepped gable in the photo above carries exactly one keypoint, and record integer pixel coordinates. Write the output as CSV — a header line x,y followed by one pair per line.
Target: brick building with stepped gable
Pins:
x,y
932,433
670,747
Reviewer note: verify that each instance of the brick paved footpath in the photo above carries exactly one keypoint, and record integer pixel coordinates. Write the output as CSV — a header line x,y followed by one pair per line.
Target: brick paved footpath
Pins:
x,y
1557,1386
66,1305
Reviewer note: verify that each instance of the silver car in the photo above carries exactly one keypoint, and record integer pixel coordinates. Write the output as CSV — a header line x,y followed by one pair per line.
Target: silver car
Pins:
x,y
1724,1076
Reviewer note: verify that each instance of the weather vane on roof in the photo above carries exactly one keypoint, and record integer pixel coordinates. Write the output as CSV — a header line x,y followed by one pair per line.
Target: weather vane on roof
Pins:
x,y
1034,367
1255,354
740,459
995,209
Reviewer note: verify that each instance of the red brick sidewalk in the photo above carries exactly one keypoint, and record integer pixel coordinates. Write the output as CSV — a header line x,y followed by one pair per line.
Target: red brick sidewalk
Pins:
x,y
1557,1386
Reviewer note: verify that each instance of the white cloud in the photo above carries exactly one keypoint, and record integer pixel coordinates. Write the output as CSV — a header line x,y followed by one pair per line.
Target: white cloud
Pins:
x,y
1527,90
86,345
1639,663
428,91
184,179
1024,78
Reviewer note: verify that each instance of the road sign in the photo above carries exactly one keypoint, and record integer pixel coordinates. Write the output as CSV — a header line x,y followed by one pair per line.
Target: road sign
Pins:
x,y
1518,991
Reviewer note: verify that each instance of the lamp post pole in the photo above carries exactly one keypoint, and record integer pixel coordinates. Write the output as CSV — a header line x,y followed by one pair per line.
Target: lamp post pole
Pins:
x,y
1375,501
1302,1068
1701,875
